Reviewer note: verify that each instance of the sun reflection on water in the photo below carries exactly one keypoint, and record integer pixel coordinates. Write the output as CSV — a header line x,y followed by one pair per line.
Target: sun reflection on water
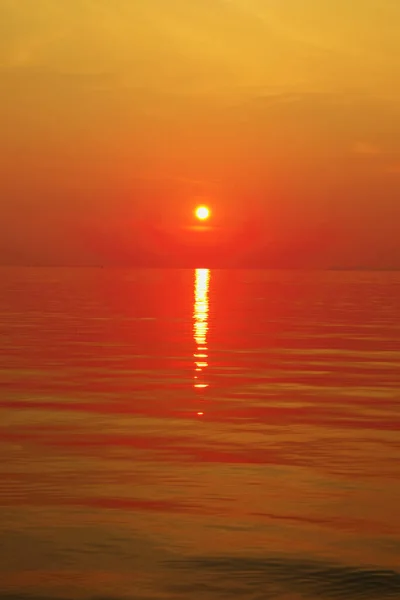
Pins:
x,y
200,326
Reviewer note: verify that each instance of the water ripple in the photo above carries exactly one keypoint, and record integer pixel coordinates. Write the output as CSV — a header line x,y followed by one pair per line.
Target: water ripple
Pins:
x,y
251,577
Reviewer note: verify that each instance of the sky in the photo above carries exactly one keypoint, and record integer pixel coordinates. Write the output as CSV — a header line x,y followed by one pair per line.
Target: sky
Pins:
x,y
118,115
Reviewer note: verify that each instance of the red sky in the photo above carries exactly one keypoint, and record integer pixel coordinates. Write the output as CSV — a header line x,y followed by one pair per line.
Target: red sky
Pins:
x,y
116,113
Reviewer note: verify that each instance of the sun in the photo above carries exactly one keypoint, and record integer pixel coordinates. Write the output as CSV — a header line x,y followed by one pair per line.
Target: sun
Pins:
x,y
202,213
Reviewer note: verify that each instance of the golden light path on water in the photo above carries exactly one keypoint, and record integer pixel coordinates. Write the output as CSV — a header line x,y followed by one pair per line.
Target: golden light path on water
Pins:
x,y
200,326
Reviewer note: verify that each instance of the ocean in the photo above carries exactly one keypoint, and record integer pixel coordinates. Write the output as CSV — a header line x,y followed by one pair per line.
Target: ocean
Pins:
x,y
199,434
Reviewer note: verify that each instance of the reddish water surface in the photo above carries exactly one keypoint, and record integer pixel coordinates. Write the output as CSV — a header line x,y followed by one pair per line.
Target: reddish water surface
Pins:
x,y
199,434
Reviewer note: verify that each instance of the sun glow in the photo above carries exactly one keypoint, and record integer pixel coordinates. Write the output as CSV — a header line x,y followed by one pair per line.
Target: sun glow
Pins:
x,y
202,213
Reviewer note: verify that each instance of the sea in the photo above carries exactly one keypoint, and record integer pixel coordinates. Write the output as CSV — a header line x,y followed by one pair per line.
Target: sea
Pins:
x,y
199,434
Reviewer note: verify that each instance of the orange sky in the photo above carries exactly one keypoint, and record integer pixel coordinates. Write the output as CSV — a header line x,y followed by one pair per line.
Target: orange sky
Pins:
x,y
113,111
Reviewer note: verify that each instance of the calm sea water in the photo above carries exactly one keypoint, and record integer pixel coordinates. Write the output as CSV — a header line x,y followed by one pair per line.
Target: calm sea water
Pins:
x,y
199,434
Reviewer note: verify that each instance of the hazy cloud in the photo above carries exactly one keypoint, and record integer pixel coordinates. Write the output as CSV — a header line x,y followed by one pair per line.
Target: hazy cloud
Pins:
x,y
394,168
366,148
